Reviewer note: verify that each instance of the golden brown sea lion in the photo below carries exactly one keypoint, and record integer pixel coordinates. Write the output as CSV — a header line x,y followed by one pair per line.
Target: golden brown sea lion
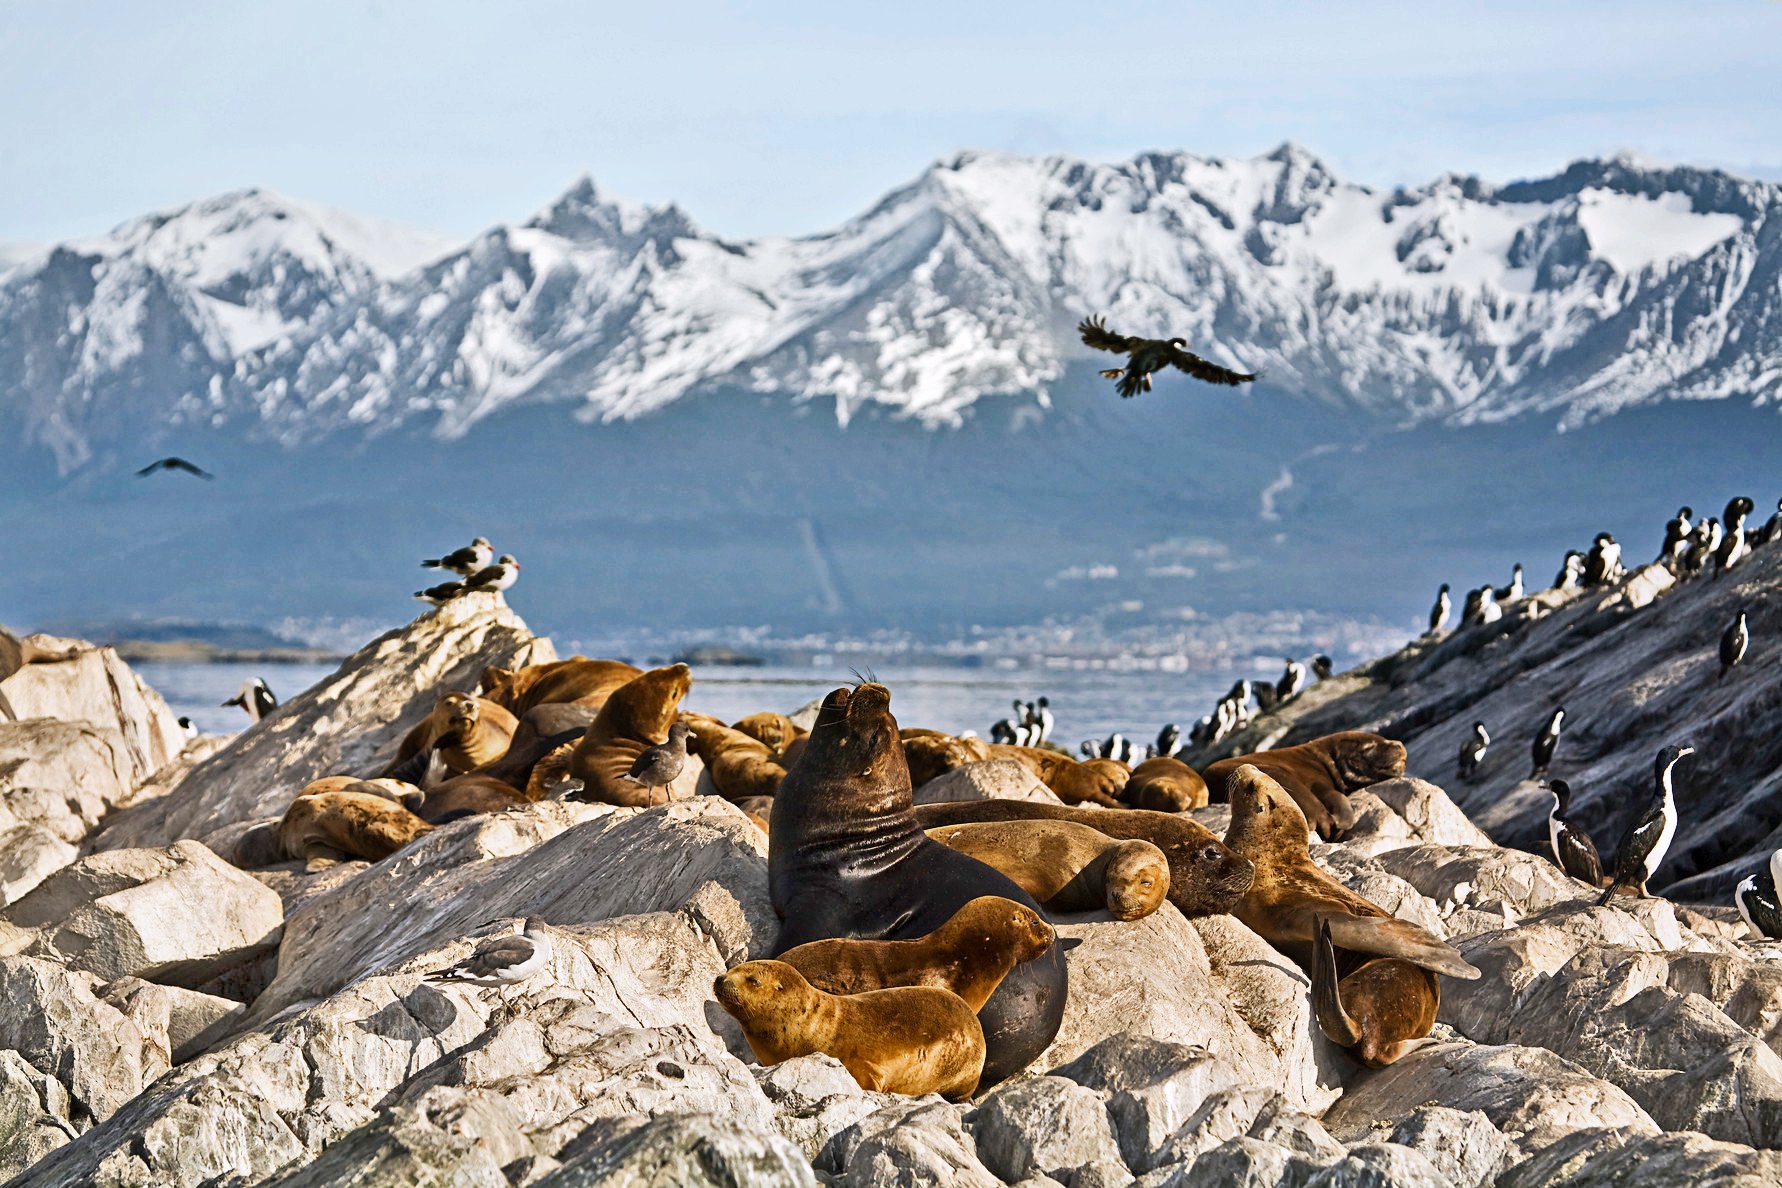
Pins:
x,y
576,679
740,765
1066,866
636,717
1320,774
911,1039
1292,901
542,729
1205,878
1164,784
775,730
931,753
970,954
461,796
1096,781
467,731
325,827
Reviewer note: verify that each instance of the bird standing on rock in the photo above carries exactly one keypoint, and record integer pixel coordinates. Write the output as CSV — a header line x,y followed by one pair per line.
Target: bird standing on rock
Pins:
x,y
1438,614
465,561
1472,752
503,960
1572,848
1733,545
1323,666
255,698
441,594
1758,902
1292,681
1733,642
660,765
499,576
1546,742
1513,591
1644,846
1148,355
1676,537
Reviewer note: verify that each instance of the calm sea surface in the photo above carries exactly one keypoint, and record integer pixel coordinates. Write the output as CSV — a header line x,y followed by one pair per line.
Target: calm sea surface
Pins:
x,y
1088,703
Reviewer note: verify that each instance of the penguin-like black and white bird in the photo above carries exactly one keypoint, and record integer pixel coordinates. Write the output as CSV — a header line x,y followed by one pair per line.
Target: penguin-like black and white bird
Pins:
x,y
1758,903
1676,537
1002,732
1698,548
1571,573
255,698
1472,752
1514,590
465,561
499,576
187,728
1201,733
1572,848
1438,614
1089,748
1771,532
441,594
1322,666
1546,741
1168,739
1603,563
1644,845
1732,544
1044,720
1733,642
1489,609
1292,681
1474,609
1267,696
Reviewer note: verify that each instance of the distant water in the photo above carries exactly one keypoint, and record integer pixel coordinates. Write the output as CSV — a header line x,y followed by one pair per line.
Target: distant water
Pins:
x,y
1087,703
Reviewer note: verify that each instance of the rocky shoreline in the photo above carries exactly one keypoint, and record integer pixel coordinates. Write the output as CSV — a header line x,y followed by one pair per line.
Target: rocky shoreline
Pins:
x,y
176,1020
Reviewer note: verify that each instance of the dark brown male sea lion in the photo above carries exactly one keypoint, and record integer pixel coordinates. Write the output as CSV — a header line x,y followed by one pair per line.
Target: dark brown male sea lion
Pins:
x,y
846,858
1205,878
1066,866
1320,774
911,1039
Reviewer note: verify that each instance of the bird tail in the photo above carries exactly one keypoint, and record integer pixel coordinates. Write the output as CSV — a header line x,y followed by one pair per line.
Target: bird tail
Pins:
x,y
1129,385
433,564
1616,887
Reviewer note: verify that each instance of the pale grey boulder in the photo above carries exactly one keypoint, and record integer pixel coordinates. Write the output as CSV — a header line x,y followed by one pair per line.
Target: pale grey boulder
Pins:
x,y
1618,1157
181,1022
1241,1162
62,777
34,1115
695,1150
815,1098
92,686
28,855
1462,1145
404,1148
991,779
1048,1125
350,723
178,915
1151,1088
911,1143
55,1022
1372,1165
1428,812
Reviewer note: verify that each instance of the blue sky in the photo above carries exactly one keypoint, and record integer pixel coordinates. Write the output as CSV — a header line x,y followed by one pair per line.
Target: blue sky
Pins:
x,y
790,117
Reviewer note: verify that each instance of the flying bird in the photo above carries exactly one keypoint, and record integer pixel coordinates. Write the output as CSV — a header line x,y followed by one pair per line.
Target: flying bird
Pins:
x,y
1148,355
174,464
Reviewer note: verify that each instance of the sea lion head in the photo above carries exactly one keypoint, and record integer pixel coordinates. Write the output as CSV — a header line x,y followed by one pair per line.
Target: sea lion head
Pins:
x,y
647,703
1266,824
753,988
995,922
1110,775
855,744
1359,758
1136,880
461,710
495,681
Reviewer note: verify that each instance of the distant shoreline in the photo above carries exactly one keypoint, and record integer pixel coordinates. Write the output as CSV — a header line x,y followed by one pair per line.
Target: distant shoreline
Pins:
x,y
195,652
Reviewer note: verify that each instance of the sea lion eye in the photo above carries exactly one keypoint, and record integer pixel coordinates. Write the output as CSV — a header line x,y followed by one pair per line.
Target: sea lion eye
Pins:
x,y
1210,854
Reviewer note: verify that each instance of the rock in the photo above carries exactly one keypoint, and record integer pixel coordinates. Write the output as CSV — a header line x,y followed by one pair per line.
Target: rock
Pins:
x,y
1530,1094
61,776
1485,879
94,687
182,1022
989,779
699,1151
1221,1116
1463,1145
1043,1124
349,723
178,915
1152,1089
53,1020
702,854
28,855
34,1112
1381,1164
814,1099
913,1142
1428,812
406,1148
1366,878
1612,1158
1241,1163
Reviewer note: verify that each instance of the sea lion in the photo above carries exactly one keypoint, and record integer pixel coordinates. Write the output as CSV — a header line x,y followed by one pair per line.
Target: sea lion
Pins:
x,y
1164,784
467,731
910,1039
636,717
462,796
777,731
1320,774
324,827
577,679
741,766
1066,866
1205,878
1092,781
931,754
542,729
970,954
1293,903
389,789
846,858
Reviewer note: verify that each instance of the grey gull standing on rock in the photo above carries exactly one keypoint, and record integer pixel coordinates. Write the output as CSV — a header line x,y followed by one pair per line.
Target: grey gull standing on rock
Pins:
x,y
503,960
660,765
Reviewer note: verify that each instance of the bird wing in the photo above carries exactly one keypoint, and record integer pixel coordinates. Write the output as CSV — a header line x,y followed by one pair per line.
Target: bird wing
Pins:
x,y
149,469
1581,855
1096,334
501,953
643,763
182,464
1206,370
1647,828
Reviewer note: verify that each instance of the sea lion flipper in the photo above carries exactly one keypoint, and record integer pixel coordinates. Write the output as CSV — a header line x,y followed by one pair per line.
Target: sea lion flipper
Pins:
x,y
1327,999
1391,937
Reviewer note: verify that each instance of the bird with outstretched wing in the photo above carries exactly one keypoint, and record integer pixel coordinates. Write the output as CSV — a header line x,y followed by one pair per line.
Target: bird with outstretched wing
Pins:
x,y
1148,355
174,464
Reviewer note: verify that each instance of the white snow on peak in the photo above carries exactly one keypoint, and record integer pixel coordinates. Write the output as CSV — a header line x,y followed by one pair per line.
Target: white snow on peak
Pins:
x,y
1634,232
13,253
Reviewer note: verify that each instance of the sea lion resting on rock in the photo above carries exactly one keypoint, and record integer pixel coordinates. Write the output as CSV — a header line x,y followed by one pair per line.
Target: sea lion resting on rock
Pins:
x,y
1374,986
911,1039
1320,774
323,827
636,717
466,731
462,796
970,954
1205,878
577,679
740,765
846,858
777,731
931,754
1095,781
1066,866
1166,785
542,729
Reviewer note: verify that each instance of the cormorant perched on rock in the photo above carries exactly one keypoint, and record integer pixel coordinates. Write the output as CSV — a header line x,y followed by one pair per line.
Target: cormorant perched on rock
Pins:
x,y
1649,836
1546,742
1438,614
1472,752
1733,642
1676,536
1147,355
1322,666
1572,848
1732,543
1756,900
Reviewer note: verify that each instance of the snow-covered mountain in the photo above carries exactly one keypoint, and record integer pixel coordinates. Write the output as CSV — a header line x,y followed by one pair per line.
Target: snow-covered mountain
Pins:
x,y
1613,284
